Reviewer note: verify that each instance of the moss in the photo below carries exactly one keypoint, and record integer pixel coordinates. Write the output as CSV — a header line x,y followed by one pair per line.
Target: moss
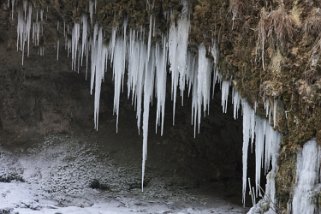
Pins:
x,y
286,176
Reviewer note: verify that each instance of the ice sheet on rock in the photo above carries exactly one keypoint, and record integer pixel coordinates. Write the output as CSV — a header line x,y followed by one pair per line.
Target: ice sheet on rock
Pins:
x,y
307,176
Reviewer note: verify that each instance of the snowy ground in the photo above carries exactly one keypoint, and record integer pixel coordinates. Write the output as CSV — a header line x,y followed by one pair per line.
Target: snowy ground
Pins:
x,y
62,175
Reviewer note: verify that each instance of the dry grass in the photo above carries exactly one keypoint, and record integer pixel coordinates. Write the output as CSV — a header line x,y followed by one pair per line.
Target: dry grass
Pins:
x,y
282,25
312,24
277,27
236,7
315,54
312,29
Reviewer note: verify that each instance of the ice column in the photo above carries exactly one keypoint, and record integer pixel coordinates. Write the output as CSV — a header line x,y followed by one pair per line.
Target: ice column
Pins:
x,y
308,175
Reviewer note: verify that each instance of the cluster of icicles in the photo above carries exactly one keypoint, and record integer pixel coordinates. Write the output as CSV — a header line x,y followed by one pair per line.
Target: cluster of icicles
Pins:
x,y
146,65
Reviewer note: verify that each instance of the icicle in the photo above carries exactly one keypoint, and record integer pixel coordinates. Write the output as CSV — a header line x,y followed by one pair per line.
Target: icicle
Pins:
x,y
252,131
260,129
308,175
118,74
99,54
267,144
267,107
247,112
64,29
42,51
183,26
139,82
58,50
215,55
149,42
74,44
12,8
190,71
172,43
137,56
236,101
41,15
24,28
133,53
275,105
84,37
178,42
161,76
148,88
201,88
91,10
68,47
225,94
36,26
112,43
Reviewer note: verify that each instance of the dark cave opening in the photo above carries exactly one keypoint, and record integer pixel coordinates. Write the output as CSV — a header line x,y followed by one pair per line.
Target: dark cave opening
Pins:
x,y
210,164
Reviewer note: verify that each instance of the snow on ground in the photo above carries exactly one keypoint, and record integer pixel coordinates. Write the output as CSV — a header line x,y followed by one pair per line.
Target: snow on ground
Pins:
x,y
55,178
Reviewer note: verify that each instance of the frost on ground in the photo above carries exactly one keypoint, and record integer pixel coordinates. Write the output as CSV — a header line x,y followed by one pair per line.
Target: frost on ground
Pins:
x,y
64,175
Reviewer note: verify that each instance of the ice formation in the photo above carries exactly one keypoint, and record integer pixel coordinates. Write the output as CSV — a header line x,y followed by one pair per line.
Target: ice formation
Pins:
x,y
307,177
201,88
177,55
267,144
225,92
161,76
24,28
236,101
144,63
99,56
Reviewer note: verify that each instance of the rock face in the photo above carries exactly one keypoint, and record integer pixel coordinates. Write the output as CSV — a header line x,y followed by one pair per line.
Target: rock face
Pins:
x,y
270,49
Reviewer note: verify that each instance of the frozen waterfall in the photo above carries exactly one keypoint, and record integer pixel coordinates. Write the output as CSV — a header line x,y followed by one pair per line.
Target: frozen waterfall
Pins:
x,y
143,64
